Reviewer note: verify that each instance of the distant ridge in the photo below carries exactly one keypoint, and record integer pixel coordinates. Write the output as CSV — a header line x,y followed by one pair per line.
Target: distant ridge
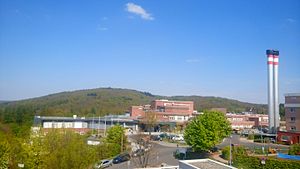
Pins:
x,y
101,101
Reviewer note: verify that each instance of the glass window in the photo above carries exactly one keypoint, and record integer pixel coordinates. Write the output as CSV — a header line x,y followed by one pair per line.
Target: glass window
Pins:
x,y
293,119
292,109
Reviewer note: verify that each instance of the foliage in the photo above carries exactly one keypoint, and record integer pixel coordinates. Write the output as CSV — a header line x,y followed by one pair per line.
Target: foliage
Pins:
x,y
107,150
251,137
252,162
226,152
294,149
67,150
57,149
150,121
116,136
4,154
103,101
207,130
242,160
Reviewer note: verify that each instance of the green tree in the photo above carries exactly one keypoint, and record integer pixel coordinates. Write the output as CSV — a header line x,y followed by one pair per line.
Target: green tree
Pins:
x,y
207,130
4,154
66,150
116,135
150,121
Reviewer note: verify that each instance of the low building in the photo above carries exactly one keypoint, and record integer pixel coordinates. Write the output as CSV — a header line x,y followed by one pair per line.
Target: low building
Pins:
x,y
203,164
165,110
82,124
247,121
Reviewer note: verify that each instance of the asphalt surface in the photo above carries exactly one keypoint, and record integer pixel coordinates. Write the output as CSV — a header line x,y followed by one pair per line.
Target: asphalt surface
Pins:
x,y
158,154
236,140
162,152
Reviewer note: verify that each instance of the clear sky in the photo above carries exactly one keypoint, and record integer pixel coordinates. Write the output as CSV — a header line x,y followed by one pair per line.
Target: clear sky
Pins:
x,y
207,48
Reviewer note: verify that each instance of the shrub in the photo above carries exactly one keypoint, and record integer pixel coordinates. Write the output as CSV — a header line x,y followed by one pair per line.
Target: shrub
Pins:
x,y
250,162
251,137
294,149
226,152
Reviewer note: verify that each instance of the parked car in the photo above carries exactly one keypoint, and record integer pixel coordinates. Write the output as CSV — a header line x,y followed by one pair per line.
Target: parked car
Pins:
x,y
163,135
103,164
178,138
121,158
155,138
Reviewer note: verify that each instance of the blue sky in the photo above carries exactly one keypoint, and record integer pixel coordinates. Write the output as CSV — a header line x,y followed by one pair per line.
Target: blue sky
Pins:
x,y
207,48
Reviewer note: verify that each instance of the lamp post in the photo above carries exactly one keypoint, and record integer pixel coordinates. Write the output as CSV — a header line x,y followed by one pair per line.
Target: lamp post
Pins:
x,y
230,155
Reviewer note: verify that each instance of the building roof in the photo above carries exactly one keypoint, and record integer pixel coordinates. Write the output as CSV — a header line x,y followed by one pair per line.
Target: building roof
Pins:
x,y
292,94
204,164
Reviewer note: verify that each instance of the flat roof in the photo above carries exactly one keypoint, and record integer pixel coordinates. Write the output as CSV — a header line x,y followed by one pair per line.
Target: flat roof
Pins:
x,y
205,164
292,94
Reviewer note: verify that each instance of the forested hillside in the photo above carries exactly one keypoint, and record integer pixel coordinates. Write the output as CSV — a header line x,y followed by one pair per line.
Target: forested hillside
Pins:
x,y
103,101
99,102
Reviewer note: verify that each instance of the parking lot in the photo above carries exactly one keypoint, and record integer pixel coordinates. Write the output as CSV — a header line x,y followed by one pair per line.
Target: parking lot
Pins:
x,y
159,154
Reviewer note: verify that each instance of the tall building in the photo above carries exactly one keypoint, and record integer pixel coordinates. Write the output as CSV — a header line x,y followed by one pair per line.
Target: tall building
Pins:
x,y
292,117
292,112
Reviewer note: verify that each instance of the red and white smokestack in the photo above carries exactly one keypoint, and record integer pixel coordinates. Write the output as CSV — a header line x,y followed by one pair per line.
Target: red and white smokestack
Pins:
x,y
270,89
276,98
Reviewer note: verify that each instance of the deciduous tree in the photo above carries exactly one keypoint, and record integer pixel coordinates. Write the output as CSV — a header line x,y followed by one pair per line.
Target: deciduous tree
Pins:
x,y
116,135
207,130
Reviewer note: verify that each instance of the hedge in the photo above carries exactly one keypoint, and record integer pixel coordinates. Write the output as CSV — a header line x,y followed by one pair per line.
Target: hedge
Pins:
x,y
250,162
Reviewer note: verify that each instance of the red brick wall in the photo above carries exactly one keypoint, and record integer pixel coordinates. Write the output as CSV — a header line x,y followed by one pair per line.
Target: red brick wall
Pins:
x,y
137,111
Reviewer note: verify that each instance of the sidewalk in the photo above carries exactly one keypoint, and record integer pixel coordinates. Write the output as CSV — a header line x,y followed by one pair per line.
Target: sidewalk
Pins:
x,y
168,144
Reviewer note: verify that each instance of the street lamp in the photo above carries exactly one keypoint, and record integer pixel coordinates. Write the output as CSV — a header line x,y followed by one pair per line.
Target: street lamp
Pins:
x,y
230,155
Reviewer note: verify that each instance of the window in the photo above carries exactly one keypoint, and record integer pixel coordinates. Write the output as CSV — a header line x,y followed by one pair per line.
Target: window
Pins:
x,y
292,109
179,118
293,128
293,119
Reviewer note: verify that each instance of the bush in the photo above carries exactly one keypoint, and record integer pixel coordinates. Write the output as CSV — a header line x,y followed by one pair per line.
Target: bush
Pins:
x,y
250,137
250,162
226,152
294,149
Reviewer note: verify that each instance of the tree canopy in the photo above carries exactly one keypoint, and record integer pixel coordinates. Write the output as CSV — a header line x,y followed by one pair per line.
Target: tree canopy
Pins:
x,y
207,130
116,136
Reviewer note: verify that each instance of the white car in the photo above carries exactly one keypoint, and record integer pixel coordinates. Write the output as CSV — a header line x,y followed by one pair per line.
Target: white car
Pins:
x,y
178,138
103,164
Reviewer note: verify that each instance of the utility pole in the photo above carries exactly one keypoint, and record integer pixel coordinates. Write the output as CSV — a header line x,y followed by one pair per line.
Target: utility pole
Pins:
x,y
230,155
105,126
98,126
122,142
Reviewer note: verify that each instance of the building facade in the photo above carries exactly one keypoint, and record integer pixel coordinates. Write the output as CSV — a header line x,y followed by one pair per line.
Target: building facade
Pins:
x,y
247,121
292,117
292,112
82,124
165,110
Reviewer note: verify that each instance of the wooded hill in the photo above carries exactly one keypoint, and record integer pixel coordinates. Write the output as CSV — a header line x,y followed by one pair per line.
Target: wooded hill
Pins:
x,y
103,101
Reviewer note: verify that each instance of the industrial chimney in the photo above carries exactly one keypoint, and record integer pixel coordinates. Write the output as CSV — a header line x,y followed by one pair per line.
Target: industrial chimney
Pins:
x,y
273,102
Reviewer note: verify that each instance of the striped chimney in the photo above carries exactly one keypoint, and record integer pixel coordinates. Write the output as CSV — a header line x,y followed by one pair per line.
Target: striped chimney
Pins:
x,y
275,82
270,89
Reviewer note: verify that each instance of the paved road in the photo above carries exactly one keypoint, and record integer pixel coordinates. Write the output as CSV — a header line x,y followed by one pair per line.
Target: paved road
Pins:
x,y
236,140
158,155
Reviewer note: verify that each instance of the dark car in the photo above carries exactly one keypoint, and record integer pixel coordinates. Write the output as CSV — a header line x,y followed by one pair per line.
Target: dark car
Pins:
x,y
155,138
121,158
